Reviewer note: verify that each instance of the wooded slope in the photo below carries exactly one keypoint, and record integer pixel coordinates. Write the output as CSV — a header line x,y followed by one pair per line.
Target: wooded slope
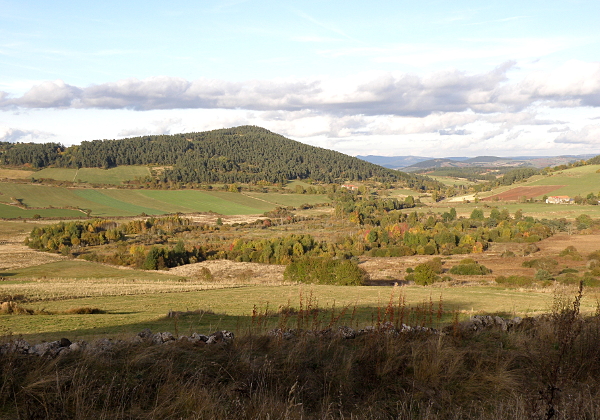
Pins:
x,y
241,154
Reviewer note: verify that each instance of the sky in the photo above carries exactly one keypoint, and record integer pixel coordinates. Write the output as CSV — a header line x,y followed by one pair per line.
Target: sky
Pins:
x,y
384,77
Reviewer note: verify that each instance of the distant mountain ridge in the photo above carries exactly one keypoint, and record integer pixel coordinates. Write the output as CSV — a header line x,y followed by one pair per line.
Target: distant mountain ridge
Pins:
x,y
417,163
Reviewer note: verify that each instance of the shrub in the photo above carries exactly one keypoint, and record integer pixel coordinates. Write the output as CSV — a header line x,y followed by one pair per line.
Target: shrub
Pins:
x,y
470,269
590,280
426,273
205,274
571,252
594,255
530,249
326,270
543,275
593,264
568,278
541,263
516,281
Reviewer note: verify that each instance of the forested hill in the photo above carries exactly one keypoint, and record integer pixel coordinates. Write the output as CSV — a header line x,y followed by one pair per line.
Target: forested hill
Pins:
x,y
240,154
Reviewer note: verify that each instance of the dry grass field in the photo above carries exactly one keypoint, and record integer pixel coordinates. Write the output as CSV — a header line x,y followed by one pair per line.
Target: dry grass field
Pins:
x,y
15,173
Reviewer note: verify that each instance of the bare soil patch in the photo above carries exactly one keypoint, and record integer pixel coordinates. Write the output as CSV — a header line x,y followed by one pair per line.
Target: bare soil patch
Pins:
x,y
211,218
515,194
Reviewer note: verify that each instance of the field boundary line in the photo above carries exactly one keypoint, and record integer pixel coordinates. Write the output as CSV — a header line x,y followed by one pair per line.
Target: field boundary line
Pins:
x,y
260,199
75,176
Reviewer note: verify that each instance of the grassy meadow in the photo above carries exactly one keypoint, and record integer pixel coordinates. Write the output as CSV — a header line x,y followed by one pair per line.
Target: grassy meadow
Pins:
x,y
112,176
575,181
54,201
134,299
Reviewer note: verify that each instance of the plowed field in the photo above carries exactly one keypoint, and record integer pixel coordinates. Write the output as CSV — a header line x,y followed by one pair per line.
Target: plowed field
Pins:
x,y
528,192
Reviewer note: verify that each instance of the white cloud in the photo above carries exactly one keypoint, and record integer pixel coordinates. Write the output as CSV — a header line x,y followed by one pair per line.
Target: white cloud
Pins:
x,y
14,135
372,94
590,134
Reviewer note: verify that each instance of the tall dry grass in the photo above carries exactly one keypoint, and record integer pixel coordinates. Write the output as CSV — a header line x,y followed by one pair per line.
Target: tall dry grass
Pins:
x,y
490,374
546,368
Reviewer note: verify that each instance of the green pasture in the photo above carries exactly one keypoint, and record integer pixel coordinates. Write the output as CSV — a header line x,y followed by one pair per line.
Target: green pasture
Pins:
x,y
106,206
39,195
576,181
225,203
52,201
233,307
112,176
401,193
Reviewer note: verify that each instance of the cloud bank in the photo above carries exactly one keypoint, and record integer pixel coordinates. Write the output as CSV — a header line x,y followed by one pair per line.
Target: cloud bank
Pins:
x,y
574,84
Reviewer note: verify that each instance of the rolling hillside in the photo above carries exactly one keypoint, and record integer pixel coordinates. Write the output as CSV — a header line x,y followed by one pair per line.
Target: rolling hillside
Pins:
x,y
573,182
235,155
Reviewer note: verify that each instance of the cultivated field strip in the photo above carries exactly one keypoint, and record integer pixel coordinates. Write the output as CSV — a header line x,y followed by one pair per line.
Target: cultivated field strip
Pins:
x,y
35,290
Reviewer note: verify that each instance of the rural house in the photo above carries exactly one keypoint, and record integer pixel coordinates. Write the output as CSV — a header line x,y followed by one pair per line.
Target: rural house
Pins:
x,y
559,199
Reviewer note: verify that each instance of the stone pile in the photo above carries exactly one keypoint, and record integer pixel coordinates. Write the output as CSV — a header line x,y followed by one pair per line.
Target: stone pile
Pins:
x,y
52,349
346,332
481,322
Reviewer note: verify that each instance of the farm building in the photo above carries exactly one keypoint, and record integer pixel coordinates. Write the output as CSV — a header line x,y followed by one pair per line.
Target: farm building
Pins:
x,y
559,199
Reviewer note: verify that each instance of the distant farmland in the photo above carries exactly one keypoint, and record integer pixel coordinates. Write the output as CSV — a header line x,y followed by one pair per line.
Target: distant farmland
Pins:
x,y
527,192
113,176
51,201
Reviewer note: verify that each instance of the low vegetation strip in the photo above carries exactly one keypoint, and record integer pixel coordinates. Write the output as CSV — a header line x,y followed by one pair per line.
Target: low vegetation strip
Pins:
x,y
514,194
65,288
